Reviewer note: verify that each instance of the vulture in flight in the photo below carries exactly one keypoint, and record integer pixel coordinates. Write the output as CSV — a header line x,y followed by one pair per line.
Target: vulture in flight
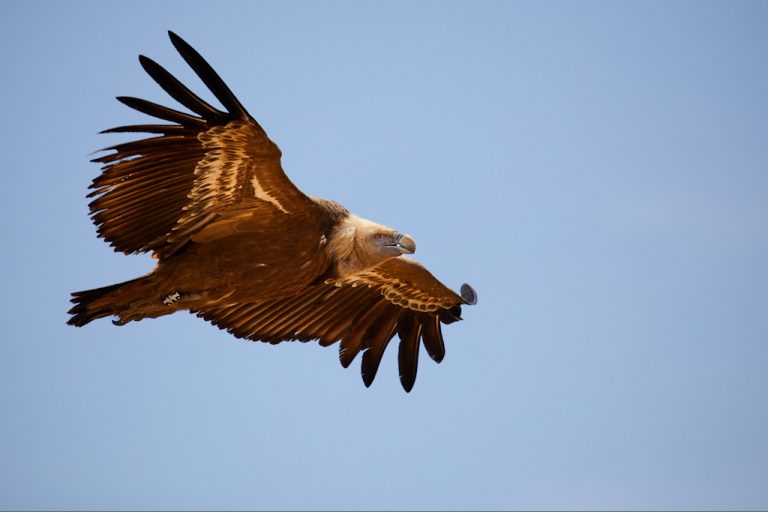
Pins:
x,y
240,246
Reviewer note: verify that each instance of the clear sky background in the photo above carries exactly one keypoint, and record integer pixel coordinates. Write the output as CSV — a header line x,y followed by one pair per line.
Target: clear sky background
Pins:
x,y
598,171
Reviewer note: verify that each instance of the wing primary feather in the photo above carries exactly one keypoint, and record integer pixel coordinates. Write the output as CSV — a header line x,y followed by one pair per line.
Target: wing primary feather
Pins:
x,y
180,92
208,76
432,338
147,128
161,112
376,340
409,331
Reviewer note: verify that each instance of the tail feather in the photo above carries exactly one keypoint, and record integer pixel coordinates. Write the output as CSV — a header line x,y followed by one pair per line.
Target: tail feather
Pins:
x,y
82,313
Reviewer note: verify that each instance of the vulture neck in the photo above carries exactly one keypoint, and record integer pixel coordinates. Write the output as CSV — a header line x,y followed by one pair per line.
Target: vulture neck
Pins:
x,y
348,249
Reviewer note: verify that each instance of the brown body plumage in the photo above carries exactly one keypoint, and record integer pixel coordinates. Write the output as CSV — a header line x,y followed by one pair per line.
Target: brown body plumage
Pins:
x,y
239,245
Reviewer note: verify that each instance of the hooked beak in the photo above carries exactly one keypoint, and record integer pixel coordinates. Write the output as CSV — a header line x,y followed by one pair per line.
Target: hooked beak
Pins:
x,y
405,243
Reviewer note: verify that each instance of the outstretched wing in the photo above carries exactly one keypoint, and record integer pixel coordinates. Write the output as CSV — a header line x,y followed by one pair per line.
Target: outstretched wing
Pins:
x,y
364,311
155,193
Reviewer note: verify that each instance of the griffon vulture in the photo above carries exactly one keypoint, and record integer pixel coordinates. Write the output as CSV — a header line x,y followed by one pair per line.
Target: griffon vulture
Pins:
x,y
240,246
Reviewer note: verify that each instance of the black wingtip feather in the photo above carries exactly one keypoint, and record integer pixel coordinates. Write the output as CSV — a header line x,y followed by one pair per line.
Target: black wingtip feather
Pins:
x,y
346,357
179,91
146,128
375,341
372,357
368,377
207,74
409,332
432,338
159,111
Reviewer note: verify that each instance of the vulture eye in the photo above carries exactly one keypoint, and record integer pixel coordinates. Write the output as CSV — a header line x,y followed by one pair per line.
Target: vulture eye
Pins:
x,y
378,236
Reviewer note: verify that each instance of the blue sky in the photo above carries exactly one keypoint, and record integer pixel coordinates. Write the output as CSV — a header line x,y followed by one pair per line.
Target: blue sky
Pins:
x,y
598,171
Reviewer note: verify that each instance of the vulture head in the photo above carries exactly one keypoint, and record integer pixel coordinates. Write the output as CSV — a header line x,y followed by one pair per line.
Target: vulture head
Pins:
x,y
358,243
380,242
389,243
